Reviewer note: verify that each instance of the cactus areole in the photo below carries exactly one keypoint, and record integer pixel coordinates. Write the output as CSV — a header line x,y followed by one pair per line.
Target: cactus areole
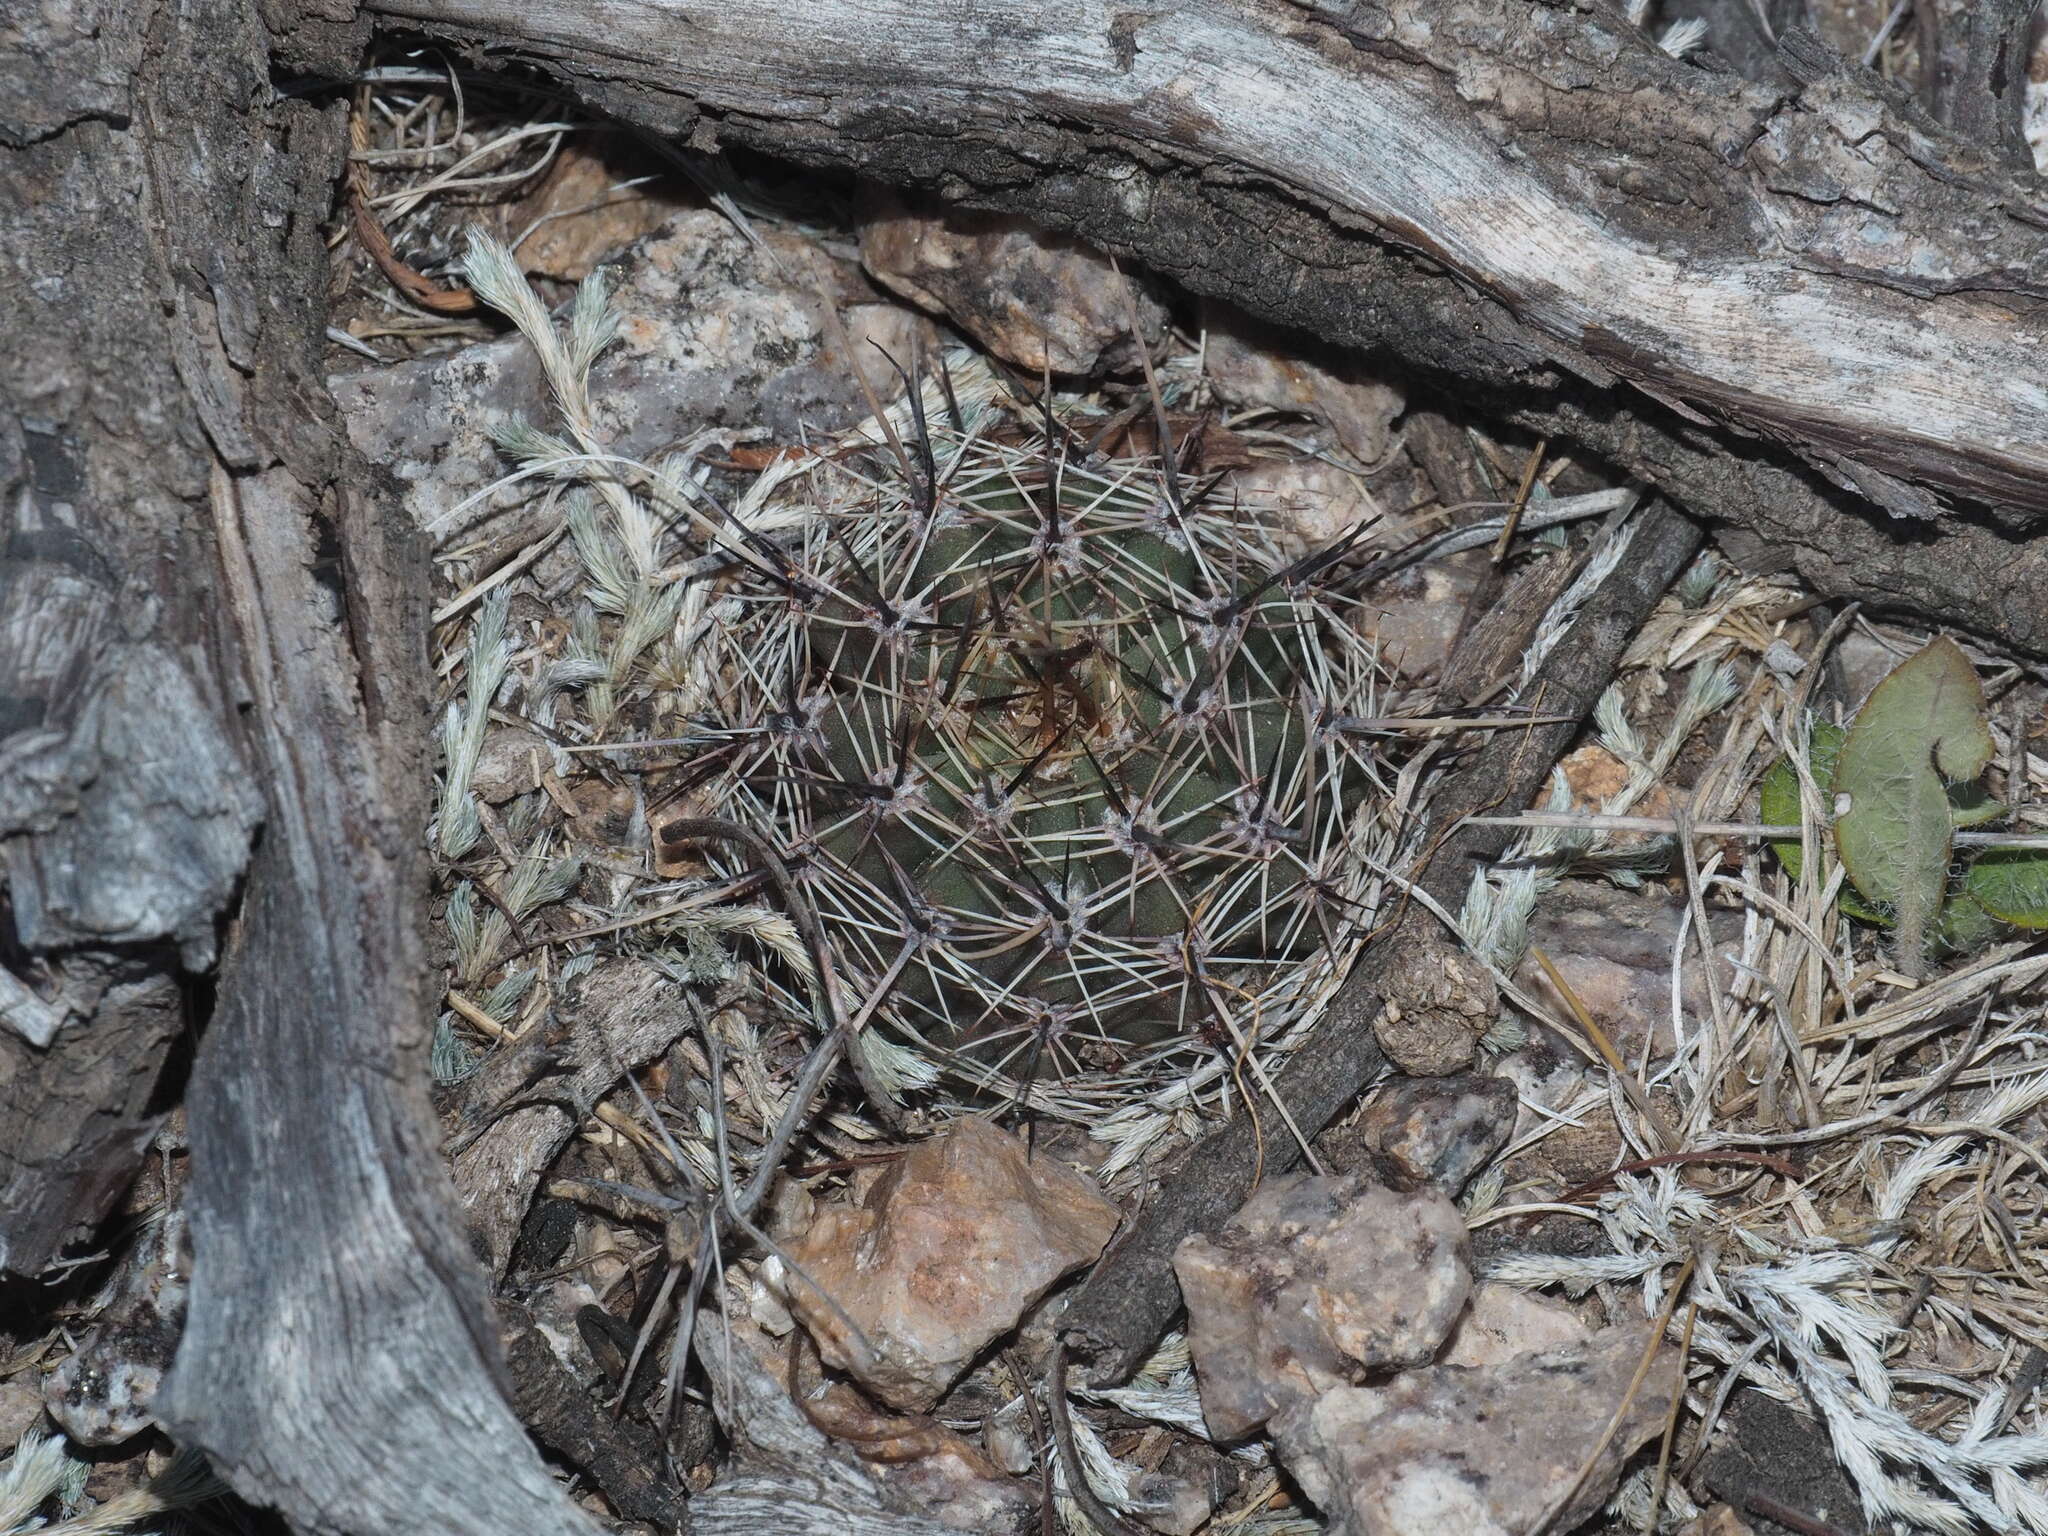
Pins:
x,y
1064,752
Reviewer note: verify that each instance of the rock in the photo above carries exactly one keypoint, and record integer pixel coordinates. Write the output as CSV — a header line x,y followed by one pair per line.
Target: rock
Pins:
x,y
1860,662
21,1409
1505,1321
1595,775
713,333
1006,1436
931,1467
105,1392
948,1249
1482,1452
1250,367
1032,297
1316,1281
1436,1008
510,764
1316,502
585,219
832,1462
1614,949
1415,615
1445,1128
1175,1505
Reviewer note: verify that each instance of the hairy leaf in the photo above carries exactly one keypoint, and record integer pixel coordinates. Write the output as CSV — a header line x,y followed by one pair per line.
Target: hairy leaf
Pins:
x,y
1922,729
1778,804
2012,885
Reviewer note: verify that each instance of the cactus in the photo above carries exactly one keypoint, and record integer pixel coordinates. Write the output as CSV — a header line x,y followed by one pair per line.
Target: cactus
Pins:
x,y
1067,756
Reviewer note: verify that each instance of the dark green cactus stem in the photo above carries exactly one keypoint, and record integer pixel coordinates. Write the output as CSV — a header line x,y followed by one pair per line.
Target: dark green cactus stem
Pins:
x,y
1064,762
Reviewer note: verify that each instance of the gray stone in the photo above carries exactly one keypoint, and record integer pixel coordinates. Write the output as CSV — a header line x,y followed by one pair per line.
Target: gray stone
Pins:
x,y
1445,1128
713,333
1505,1321
1479,1451
1314,1283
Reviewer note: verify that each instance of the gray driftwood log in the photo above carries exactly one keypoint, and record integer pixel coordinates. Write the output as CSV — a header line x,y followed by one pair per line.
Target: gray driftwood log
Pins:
x,y
1798,304
1801,307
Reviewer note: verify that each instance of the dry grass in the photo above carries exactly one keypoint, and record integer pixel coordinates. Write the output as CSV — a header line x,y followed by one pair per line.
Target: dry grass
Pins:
x,y
1891,1275
1881,1263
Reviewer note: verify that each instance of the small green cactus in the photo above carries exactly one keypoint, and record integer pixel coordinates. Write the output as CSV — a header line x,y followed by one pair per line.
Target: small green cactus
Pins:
x,y
1067,757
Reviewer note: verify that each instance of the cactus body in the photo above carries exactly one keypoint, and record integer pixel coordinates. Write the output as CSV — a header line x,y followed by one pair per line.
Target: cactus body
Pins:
x,y
1059,753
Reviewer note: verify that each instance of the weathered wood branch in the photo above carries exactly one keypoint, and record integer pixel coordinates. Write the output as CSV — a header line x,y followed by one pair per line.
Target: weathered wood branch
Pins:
x,y
1754,296
1812,313
230,629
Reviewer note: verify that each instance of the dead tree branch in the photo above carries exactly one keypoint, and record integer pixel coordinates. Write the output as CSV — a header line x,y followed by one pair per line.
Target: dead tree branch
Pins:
x,y
1809,313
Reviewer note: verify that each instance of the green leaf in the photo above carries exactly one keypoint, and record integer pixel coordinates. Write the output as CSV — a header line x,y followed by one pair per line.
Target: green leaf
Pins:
x,y
2012,885
1778,800
1970,805
1966,927
1778,805
1922,729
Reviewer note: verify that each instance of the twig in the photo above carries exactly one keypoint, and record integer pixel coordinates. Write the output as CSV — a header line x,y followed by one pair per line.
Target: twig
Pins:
x,y
418,287
1692,1313
1513,521
1905,1105
1078,1486
831,1013
1668,825
1608,1054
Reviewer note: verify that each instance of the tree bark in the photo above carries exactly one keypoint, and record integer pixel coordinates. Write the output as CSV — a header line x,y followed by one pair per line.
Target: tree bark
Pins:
x,y
205,620
1809,313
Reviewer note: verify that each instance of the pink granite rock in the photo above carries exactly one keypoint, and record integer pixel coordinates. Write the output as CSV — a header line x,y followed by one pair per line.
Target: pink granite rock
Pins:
x,y
947,1251
1252,367
1482,1452
1316,1282
1034,298
1505,1321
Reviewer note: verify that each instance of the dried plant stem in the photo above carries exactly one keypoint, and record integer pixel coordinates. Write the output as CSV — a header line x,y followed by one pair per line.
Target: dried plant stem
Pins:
x,y
1601,1043
824,979
1669,825
1692,1314
1078,1486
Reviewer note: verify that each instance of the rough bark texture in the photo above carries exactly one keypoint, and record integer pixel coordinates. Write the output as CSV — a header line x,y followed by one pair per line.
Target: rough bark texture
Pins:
x,y
527,1101
1526,201
233,629
77,1114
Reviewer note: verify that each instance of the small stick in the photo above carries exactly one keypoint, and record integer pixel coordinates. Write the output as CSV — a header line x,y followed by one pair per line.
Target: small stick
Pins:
x,y
415,285
1669,825
1608,1054
1078,1486
1657,1488
1785,1515
831,1013
1513,521
1048,1521
1777,1165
